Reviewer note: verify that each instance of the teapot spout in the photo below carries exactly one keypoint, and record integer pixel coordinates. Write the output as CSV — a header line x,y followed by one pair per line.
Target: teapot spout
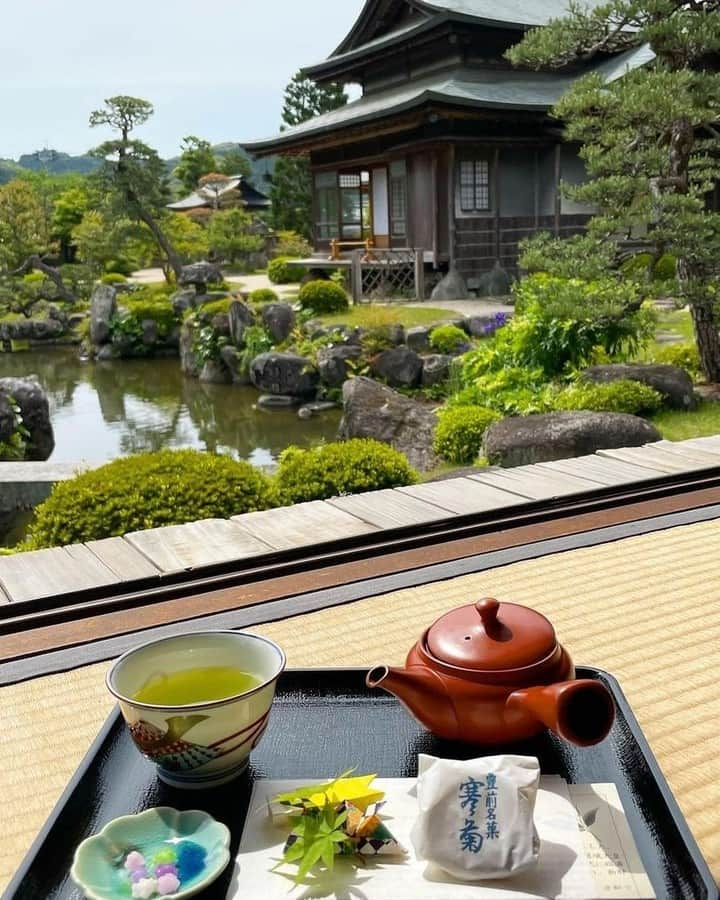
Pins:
x,y
582,712
423,693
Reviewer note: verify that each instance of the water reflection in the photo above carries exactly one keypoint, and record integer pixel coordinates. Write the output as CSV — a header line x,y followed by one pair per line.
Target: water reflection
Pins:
x,y
104,410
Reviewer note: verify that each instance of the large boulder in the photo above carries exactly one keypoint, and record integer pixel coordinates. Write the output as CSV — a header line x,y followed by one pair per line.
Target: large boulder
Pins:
x,y
241,318
188,360
332,363
284,373
200,274
215,372
183,300
418,338
452,287
233,359
672,382
372,410
279,321
22,329
35,411
103,306
436,369
400,367
523,440
495,283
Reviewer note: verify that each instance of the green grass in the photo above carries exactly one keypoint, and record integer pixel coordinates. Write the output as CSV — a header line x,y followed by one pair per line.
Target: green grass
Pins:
x,y
677,425
374,316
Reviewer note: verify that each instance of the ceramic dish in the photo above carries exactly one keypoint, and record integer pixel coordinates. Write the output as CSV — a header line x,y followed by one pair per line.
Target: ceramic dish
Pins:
x,y
191,842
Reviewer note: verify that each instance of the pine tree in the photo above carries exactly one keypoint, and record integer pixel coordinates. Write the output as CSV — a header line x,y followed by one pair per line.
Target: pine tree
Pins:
x,y
651,138
291,192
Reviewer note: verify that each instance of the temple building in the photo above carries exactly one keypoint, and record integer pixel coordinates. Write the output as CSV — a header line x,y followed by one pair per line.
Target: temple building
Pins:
x,y
450,149
237,192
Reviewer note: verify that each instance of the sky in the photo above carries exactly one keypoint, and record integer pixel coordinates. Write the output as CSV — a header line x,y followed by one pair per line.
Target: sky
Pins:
x,y
213,68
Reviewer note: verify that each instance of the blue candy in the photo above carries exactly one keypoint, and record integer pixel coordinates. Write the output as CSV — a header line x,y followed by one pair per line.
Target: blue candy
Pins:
x,y
191,860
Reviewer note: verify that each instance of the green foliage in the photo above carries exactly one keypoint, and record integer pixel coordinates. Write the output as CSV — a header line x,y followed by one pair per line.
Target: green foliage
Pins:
x,y
323,297
196,159
102,242
215,308
233,162
148,491
448,339
581,256
230,234
156,306
617,396
279,272
255,341
292,244
207,345
512,391
24,225
333,470
460,431
15,447
113,278
261,296
685,356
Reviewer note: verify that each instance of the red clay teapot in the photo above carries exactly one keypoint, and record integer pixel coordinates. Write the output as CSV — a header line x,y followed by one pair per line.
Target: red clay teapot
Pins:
x,y
492,673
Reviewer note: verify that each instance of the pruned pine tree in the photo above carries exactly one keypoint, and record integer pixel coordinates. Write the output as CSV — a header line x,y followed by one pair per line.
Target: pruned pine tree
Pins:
x,y
651,138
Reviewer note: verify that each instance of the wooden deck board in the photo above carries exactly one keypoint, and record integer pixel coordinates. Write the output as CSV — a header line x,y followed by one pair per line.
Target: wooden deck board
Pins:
x,y
462,495
180,548
709,442
390,509
535,483
602,470
705,454
45,573
123,559
299,526
666,462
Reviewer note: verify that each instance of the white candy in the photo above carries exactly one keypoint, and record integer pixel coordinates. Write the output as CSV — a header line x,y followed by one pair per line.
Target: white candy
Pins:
x,y
134,861
145,888
476,817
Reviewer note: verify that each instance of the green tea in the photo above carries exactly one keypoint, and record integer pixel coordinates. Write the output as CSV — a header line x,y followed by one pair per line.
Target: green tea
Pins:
x,y
190,686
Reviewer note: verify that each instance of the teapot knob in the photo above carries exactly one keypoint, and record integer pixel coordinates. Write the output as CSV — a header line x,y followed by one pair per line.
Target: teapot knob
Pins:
x,y
488,609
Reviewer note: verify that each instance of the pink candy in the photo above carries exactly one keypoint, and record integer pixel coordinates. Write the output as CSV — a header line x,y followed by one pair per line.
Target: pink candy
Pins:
x,y
167,884
134,861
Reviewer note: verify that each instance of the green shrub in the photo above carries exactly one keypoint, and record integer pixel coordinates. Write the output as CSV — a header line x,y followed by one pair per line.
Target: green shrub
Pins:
x,y
148,491
279,272
448,339
641,266
460,431
158,308
342,468
512,391
323,297
216,286
616,396
121,266
291,244
685,356
220,307
113,278
263,295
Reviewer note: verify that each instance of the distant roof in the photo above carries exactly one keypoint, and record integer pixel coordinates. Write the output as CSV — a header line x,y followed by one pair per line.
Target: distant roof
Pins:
x,y
197,200
506,12
490,89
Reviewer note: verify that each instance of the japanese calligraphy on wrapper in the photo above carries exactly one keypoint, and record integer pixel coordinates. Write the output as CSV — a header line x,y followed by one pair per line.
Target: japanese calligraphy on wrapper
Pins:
x,y
475,817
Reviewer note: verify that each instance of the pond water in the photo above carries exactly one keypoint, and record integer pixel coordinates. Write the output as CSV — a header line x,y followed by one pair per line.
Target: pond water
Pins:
x,y
104,410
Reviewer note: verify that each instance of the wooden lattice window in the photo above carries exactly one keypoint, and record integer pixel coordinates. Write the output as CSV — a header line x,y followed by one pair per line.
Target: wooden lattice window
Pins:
x,y
474,175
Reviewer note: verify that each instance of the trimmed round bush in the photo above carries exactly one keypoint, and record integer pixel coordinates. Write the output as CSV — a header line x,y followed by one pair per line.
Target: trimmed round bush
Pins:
x,y
685,356
460,431
279,272
262,296
350,467
157,308
214,308
113,278
148,491
617,396
448,339
323,297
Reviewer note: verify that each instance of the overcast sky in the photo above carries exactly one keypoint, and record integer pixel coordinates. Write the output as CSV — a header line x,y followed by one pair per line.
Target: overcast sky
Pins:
x,y
214,68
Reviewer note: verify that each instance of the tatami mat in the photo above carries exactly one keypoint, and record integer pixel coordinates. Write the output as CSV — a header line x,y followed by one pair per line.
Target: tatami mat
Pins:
x,y
646,609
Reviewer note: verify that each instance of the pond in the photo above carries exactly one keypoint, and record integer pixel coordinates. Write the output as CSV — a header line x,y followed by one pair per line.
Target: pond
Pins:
x,y
104,410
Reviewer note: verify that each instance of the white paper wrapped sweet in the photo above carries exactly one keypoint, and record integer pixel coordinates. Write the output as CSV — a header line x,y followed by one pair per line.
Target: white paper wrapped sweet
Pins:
x,y
476,816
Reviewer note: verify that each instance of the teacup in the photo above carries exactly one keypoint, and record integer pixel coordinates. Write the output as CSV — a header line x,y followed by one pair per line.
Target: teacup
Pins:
x,y
198,745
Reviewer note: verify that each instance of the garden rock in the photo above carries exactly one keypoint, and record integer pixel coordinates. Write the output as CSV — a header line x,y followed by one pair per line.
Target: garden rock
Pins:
x,y
276,401
372,410
214,372
103,306
495,283
314,409
418,339
35,412
149,332
452,287
279,320
284,373
523,440
233,360
485,326
400,367
241,317
436,369
184,300
200,274
7,419
31,330
332,363
672,382
188,362
107,353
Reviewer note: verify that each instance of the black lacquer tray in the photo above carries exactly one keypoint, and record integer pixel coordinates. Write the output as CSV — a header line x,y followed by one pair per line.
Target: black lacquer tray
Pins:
x,y
325,721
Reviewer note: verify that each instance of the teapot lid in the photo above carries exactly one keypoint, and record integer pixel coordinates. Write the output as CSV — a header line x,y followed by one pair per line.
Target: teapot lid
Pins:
x,y
491,636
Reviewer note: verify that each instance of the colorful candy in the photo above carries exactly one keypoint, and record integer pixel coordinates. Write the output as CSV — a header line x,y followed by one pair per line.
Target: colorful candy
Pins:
x,y
134,861
164,872
168,884
145,888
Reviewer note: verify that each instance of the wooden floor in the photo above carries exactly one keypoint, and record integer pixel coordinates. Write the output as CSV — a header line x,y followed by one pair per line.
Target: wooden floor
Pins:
x,y
180,548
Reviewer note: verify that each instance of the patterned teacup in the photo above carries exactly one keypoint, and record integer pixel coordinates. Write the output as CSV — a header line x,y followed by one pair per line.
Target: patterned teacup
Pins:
x,y
198,745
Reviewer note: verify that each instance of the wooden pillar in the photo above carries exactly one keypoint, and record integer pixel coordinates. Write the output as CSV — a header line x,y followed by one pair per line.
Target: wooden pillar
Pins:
x,y
536,191
356,278
451,204
435,209
558,196
496,200
419,275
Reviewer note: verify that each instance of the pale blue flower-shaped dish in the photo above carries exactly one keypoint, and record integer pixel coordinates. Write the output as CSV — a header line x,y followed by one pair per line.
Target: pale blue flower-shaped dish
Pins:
x,y
200,845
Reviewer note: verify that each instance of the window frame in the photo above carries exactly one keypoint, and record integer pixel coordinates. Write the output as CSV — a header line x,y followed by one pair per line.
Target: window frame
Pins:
x,y
476,159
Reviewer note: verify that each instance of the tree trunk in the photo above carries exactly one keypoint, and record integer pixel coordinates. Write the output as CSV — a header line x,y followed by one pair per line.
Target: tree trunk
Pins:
x,y
167,248
34,262
706,335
